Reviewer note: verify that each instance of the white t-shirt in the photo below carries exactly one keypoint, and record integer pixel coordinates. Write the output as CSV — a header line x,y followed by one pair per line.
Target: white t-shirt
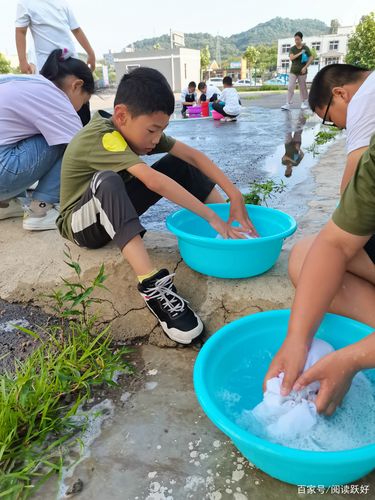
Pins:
x,y
185,92
31,105
211,90
360,118
232,101
50,22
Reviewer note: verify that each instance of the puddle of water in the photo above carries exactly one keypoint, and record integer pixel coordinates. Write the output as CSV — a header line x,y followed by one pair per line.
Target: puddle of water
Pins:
x,y
250,149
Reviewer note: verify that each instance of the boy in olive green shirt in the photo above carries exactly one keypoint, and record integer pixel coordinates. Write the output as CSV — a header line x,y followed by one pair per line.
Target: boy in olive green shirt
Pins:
x,y
335,271
106,186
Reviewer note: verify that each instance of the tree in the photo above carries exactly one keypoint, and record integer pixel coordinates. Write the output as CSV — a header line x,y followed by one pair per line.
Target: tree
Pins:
x,y
205,58
361,45
251,55
4,64
333,29
267,60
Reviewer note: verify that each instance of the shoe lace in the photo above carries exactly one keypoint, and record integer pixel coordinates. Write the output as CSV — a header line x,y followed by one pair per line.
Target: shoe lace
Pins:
x,y
162,290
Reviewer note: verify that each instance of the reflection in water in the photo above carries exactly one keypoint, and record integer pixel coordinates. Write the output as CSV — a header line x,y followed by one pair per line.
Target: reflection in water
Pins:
x,y
293,139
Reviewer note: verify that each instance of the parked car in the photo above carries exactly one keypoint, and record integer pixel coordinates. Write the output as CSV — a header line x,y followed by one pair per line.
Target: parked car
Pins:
x,y
282,79
243,83
215,80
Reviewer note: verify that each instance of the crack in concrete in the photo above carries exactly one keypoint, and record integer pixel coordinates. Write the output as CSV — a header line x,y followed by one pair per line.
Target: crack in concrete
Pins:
x,y
178,263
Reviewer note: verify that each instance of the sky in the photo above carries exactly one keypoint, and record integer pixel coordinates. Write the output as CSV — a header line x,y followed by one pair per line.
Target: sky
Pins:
x,y
113,24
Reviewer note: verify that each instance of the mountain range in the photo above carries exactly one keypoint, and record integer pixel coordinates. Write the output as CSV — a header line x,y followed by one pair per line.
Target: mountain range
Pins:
x,y
233,46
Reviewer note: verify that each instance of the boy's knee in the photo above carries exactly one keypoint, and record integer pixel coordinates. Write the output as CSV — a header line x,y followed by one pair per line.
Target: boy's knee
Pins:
x,y
297,257
107,180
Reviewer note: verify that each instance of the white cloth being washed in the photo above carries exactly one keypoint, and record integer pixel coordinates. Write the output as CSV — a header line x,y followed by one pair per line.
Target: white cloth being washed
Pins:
x,y
289,416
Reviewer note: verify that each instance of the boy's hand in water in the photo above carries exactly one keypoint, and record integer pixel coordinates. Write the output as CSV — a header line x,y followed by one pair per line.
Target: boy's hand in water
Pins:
x,y
335,373
290,359
239,213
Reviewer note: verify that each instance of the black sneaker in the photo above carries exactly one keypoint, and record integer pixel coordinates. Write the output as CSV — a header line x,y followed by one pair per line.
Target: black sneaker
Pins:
x,y
178,321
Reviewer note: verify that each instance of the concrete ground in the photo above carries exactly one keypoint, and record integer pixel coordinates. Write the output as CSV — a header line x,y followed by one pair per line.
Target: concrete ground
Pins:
x,y
155,443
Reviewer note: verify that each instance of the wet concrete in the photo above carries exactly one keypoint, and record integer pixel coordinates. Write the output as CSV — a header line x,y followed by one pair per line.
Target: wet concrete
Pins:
x,y
249,149
158,445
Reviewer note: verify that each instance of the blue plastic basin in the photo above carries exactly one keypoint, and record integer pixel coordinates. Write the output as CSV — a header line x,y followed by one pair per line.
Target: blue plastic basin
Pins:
x,y
231,258
235,359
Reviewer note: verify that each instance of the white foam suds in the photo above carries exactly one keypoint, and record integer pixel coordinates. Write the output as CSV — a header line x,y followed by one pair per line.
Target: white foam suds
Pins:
x,y
152,373
351,426
92,420
11,325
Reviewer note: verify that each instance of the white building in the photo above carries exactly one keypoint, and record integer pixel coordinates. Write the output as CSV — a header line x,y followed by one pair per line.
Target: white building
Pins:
x,y
330,49
179,65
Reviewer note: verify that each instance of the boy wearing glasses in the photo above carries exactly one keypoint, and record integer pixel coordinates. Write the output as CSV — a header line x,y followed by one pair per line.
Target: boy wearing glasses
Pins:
x,y
343,96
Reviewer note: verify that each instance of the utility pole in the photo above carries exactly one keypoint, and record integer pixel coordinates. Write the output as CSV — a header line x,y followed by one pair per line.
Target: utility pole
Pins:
x,y
172,61
218,51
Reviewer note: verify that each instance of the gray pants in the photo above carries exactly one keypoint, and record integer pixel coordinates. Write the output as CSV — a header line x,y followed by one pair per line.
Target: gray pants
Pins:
x,y
302,86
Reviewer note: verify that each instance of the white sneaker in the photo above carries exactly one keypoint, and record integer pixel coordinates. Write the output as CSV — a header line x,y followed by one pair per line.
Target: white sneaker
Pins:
x,y
286,107
33,222
14,209
305,105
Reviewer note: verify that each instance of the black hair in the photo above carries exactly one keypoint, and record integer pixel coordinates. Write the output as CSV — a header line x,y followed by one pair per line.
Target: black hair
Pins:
x,y
145,91
59,65
298,34
202,85
333,75
227,80
192,84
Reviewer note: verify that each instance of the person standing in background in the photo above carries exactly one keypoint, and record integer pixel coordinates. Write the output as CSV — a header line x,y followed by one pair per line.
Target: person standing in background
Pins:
x,y
301,58
51,23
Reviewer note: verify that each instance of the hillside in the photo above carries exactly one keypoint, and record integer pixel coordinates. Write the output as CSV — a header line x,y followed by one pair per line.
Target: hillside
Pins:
x,y
234,45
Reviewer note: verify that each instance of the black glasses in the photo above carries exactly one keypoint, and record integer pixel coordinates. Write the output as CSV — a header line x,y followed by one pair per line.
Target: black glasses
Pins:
x,y
325,121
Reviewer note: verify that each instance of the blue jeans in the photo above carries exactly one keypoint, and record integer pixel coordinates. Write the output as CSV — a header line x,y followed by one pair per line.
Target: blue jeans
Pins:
x,y
28,161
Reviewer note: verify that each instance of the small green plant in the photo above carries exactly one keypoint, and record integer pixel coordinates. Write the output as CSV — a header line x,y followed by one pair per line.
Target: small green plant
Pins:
x,y
323,137
260,192
36,407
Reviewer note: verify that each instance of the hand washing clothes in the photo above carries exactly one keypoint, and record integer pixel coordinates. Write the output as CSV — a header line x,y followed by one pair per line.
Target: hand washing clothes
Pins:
x,y
288,416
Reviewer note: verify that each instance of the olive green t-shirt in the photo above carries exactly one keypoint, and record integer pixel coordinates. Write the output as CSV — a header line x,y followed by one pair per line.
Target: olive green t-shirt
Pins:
x,y
356,211
98,146
297,64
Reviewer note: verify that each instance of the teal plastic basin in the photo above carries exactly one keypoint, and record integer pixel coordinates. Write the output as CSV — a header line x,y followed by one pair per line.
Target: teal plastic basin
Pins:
x,y
231,258
236,359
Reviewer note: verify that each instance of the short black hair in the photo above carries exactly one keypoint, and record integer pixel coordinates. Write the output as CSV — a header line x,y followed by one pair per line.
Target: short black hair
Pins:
x,y
145,91
227,80
202,85
60,64
333,75
192,84
298,34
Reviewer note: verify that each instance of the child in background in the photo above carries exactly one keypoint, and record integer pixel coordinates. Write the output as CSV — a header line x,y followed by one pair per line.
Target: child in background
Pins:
x,y
229,105
188,97
51,23
210,93
106,186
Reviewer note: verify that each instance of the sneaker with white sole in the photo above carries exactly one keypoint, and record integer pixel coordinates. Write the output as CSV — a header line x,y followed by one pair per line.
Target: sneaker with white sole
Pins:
x,y
40,216
177,320
286,107
305,105
10,208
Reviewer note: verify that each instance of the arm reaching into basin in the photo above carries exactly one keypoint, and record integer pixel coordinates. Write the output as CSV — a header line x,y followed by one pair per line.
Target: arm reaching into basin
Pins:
x,y
336,371
238,210
336,275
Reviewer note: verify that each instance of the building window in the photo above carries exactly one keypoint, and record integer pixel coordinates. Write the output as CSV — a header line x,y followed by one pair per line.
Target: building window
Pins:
x,y
334,45
315,62
132,67
285,64
331,60
316,46
285,49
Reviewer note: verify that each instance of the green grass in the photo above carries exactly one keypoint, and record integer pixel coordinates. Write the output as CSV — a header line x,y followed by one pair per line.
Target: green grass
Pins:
x,y
322,137
35,399
260,192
